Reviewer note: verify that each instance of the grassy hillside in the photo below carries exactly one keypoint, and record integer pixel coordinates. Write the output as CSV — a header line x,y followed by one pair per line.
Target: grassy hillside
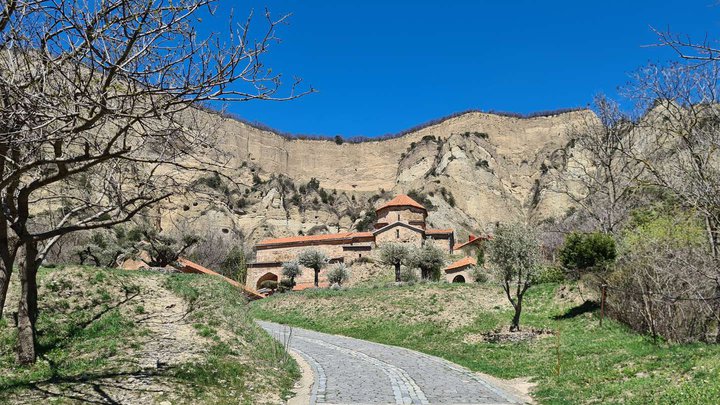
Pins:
x,y
141,337
579,362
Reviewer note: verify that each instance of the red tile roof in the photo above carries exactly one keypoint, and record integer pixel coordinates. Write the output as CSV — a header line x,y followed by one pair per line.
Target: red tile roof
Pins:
x,y
191,267
438,231
401,200
471,241
466,261
331,237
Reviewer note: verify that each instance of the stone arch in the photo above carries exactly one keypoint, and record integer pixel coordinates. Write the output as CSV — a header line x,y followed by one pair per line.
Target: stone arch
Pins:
x,y
266,276
459,279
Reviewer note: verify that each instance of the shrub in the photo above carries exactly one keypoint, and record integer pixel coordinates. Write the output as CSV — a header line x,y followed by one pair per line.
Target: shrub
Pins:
x,y
479,274
339,139
235,264
269,284
338,275
366,223
421,198
549,274
285,285
588,251
313,184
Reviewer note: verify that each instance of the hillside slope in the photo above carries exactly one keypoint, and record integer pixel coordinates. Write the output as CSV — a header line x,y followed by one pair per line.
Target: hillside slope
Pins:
x,y
110,336
475,169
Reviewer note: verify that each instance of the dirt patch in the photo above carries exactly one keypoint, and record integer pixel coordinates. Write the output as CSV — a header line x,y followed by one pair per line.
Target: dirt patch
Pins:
x,y
503,335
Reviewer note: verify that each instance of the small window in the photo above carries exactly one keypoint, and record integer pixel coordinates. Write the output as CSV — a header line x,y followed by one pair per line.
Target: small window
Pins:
x,y
359,255
398,216
397,234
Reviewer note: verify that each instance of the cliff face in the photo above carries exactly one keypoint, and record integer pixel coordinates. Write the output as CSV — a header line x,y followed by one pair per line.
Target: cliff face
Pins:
x,y
476,169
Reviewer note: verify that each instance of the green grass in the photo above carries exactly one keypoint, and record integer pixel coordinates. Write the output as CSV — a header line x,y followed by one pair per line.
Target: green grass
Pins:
x,y
91,328
580,363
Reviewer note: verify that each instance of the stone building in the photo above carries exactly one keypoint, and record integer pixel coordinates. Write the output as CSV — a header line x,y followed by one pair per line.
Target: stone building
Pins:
x,y
401,219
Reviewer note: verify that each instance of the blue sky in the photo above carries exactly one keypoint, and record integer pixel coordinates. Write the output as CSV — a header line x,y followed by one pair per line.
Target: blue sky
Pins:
x,y
383,66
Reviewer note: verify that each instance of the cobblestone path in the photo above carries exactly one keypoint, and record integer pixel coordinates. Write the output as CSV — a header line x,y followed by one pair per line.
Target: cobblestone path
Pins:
x,y
352,371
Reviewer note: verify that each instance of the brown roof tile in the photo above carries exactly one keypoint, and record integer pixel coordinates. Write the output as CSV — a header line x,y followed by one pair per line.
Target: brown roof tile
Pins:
x,y
438,231
401,200
345,236
466,261
471,241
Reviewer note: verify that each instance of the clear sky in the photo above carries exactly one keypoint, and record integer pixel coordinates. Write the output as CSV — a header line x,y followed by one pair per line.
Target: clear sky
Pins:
x,y
383,66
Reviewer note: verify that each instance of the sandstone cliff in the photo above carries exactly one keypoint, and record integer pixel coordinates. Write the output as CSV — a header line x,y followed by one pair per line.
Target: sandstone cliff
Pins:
x,y
476,169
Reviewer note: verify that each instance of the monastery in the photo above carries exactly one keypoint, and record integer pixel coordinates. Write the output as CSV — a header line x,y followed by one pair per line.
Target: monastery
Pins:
x,y
400,220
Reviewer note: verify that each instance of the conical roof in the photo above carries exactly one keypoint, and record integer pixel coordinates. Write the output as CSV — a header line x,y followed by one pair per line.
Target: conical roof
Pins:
x,y
401,200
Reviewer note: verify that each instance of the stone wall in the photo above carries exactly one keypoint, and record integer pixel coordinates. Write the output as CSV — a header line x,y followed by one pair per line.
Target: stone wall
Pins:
x,y
399,234
408,216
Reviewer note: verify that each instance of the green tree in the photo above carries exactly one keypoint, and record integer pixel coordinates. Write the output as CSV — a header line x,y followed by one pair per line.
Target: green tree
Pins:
x,y
338,274
515,256
588,251
313,259
291,270
394,254
429,259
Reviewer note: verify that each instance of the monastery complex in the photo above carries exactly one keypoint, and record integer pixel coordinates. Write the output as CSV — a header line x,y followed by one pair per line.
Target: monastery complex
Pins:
x,y
400,220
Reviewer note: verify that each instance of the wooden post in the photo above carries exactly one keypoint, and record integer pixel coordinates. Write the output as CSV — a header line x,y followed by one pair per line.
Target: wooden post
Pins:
x,y
602,303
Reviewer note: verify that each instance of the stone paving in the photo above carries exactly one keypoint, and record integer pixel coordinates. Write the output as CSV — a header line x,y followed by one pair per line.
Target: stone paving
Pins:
x,y
352,371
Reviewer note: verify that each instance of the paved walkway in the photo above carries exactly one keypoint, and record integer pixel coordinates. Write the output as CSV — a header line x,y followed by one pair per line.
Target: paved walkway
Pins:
x,y
352,371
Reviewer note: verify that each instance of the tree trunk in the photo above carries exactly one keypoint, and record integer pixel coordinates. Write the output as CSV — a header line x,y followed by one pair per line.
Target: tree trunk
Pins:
x,y
27,308
5,274
397,272
515,326
317,278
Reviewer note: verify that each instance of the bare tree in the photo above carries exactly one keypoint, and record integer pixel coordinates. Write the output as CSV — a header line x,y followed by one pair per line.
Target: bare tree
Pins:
x,y
100,117
599,176
681,128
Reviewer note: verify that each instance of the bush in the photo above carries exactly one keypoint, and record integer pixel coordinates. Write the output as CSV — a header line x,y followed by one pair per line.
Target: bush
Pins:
x,y
367,222
549,274
479,274
269,284
339,140
338,275
588,251
285,285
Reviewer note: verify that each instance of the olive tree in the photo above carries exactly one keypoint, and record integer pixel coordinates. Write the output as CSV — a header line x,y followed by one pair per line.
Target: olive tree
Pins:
x,y
313,259
514,255
291,270
100,118
429,259
338,274
394,254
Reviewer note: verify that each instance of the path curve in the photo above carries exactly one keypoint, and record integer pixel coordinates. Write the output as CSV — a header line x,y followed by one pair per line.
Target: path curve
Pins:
x,y
353,371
